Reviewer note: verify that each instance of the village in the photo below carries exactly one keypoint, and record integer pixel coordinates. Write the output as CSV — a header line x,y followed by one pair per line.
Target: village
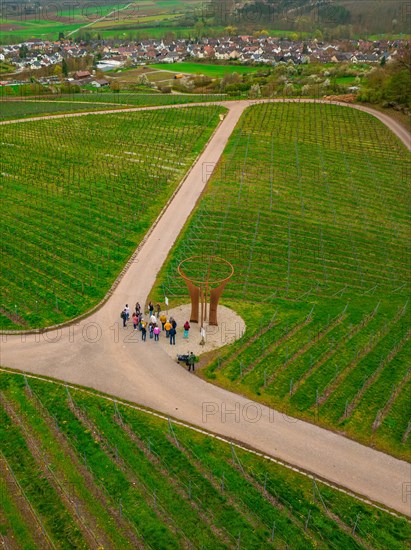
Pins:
x,y
37,54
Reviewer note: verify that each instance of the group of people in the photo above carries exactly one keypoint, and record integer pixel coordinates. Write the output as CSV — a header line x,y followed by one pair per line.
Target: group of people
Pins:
x,y
169,325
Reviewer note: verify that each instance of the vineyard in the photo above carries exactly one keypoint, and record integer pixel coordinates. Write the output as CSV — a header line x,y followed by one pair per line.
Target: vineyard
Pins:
x,y
79,470
78,194
310,204
10,110
68,103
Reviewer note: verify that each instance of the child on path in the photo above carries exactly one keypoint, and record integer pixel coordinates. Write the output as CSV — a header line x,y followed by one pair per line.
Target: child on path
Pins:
x,y
186,329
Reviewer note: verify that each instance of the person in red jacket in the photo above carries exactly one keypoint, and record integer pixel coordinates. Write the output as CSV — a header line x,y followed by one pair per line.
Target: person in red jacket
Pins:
x,y
186,329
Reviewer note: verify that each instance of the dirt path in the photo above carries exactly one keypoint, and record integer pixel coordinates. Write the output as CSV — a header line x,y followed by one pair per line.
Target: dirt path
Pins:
x,y
97,352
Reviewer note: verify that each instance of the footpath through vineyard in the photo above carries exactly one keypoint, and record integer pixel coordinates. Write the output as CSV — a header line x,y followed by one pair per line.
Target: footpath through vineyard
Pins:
x,y
98,353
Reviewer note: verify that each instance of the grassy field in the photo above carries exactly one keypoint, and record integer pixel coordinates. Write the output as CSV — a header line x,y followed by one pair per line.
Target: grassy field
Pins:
x,y
81,471
214,71
310,205
76,207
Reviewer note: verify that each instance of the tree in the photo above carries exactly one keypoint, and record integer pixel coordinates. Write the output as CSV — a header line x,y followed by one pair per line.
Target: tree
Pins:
x,y
288,89
142,80
23,51
261,34
221,11
115,86
231,30
57,70
255,91
199,29
318,35
64,68
169,37
398,88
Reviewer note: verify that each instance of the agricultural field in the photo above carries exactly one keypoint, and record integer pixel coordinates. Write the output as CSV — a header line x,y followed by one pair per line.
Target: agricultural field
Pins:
x,y
10,110
46,21
78,194
67,103
310,204
213,71
80,470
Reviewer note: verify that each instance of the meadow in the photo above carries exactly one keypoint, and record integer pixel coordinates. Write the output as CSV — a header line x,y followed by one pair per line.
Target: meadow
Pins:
x,y
80,470
213,71
310,204
78,194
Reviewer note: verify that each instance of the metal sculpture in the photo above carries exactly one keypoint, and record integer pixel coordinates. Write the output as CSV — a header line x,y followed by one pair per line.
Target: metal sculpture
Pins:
x,y
202,291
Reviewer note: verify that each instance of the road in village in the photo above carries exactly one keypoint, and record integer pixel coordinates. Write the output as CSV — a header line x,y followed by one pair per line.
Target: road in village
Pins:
x,y
98,353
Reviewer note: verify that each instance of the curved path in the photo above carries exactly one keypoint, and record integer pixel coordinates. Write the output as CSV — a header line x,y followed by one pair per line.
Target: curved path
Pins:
x,y
98,353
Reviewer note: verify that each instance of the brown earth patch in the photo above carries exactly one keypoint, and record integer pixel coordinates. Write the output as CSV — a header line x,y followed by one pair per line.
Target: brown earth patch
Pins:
x,y
10,27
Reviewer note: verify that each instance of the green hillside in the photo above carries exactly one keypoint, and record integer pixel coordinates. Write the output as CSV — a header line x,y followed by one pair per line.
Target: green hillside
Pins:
x,y
79,470
310,205
76,207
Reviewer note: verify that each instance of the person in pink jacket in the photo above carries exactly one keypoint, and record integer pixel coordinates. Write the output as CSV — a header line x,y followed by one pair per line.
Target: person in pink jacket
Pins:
x,y
156,331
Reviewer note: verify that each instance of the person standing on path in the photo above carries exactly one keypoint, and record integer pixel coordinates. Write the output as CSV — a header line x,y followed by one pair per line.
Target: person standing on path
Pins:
x,y
150,308
143,332
158,310
134,318
186,329
156,331
172,332
138,308
167,327
123,315
153,319
163,320
191,361
127,310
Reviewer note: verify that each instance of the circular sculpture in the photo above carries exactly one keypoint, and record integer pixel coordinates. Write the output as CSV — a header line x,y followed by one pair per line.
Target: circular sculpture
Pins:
x,y
208,276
